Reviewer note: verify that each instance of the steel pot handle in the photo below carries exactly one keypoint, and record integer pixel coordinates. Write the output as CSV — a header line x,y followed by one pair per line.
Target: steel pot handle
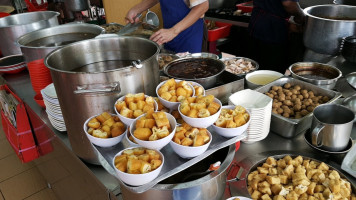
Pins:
x,y
315,134
238,176
137,64
98,88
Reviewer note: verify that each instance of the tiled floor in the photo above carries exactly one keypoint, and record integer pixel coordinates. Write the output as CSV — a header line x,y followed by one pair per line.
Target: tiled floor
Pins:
x,y
17,180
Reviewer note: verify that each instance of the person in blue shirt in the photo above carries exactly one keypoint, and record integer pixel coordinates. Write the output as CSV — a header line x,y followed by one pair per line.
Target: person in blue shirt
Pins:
x,y
268,29
183,24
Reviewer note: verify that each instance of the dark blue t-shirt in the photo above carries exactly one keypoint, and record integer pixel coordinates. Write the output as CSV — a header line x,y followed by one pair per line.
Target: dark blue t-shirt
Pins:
x,y
269,21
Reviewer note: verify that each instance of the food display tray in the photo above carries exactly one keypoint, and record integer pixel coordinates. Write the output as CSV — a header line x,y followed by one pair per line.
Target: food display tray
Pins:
x,y
287,127
173,164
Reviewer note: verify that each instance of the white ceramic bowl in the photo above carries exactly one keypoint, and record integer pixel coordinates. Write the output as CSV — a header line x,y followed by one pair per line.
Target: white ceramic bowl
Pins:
x,y
168,104
125,120
127,135
240,197
232,132
137,179
157,144
102,142
202,122
261,73
188,151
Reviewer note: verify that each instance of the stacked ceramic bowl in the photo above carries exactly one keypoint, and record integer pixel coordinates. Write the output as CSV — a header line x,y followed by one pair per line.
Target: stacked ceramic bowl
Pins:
x,y
260,108
53,109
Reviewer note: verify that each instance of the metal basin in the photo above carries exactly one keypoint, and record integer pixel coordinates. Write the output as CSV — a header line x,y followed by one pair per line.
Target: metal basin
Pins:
x,y
327,25
345,2
14,26
37,44
209,186
319,74
201,70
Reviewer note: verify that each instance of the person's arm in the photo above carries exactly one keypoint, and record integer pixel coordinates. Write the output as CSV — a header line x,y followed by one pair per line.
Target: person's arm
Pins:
x,y
139,8
165,35
293,8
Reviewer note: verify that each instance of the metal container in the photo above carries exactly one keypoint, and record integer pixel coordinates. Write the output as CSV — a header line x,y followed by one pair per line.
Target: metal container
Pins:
x,y
89,76
287,127
209,187
232,59
319,74
326,25
37,44
345,2
76,5
207,82
14,26
203,55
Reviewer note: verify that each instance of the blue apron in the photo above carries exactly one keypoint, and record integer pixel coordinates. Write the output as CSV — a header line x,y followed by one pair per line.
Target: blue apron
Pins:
x,y
191,39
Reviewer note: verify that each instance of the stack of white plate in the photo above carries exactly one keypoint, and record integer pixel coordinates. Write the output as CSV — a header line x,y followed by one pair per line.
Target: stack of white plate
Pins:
x,y
53,109
260,107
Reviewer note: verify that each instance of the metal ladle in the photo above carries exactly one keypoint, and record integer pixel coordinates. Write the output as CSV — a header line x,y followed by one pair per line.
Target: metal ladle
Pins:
x,y
152,18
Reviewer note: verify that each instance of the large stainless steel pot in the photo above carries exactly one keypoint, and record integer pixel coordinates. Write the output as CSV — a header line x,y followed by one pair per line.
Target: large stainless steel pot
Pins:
x,y
209,187
76,5
37,44
183,65
326,25
14,26
88,76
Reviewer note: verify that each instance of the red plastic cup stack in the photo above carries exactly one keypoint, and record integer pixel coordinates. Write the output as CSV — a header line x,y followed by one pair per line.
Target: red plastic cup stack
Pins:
x,y
39,74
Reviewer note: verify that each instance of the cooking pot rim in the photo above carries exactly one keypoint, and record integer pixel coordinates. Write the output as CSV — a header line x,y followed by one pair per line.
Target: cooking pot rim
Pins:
x,y
223,167
308,9
167,66
99,39
321,82
30,34
55,14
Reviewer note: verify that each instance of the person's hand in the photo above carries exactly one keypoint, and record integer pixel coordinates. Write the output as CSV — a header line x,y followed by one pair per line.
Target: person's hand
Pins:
x,y
131,16
163,36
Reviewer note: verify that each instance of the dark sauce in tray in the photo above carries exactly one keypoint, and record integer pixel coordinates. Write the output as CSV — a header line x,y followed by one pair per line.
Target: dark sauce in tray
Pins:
x,y
192,69
60,39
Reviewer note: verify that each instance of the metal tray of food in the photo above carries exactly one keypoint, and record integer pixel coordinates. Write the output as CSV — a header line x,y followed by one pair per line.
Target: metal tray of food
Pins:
x,y
287,127
112,27
173,163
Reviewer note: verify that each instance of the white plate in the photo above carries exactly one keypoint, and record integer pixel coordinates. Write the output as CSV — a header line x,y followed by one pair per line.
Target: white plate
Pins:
x,y
50,91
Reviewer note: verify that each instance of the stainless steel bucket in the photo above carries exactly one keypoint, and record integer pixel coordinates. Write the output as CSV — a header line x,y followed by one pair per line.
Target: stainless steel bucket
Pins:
x,y
327,25
37,44
207,187
89,76
14,26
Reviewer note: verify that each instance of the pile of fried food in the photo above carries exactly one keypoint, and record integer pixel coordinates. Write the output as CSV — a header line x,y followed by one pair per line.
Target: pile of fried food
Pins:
x,y
105,126
188,136
135,105
199,106
177,116
112,27
138,161
293,101
232,118
152,126
164,60
160,106
297,178
177,91
238,66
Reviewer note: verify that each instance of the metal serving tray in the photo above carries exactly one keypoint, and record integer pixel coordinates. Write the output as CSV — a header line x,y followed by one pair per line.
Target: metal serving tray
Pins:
x,y
173,163
291,127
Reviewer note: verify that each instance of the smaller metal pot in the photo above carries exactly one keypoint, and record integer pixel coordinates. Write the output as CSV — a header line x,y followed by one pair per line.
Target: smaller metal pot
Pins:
x,y
319,74
190,68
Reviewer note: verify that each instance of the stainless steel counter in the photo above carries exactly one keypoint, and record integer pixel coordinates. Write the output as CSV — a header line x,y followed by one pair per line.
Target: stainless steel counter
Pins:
x,y
246,156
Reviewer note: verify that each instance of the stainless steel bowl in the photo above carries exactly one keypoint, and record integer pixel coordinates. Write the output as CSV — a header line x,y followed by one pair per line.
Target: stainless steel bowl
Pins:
x,y
254,63
351,79
207,82
319,74
350,102
203,55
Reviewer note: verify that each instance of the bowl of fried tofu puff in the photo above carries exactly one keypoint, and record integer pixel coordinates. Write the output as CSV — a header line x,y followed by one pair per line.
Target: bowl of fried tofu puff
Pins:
x,y
296,177
233,121
153,130
131,106
137,165
200,111
172,92
104,130
189,142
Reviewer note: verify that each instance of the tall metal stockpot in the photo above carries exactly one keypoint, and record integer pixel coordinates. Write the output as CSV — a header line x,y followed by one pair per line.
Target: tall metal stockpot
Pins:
x,y
90,75
327,25
37,44
185,186
14,26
